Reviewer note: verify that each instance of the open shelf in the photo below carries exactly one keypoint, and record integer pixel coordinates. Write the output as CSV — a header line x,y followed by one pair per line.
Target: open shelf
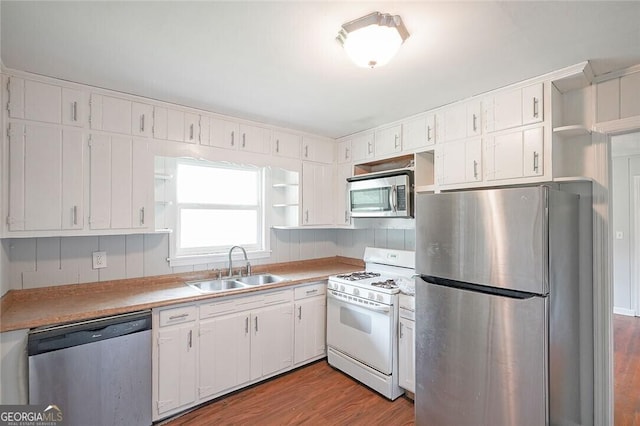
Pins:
x,y
386,165
572,131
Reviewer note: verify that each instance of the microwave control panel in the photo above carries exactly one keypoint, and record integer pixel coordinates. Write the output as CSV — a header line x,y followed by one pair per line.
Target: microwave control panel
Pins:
x,y
402,197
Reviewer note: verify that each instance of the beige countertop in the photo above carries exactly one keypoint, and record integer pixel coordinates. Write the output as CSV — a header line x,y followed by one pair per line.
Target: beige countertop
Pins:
x,y
20,309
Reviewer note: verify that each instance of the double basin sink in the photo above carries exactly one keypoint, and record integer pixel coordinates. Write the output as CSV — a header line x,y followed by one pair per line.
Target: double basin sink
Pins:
x,y
226,284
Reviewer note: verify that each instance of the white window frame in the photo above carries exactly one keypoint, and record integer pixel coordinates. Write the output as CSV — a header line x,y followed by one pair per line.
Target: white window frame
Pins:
x,y
184,257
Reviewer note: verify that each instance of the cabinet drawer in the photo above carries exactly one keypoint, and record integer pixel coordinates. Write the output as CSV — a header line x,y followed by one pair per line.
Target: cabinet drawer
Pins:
x,y
177,315
278,297
209,310
310,291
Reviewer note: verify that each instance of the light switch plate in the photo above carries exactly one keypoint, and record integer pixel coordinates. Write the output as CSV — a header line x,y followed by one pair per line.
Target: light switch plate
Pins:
x,y
99,259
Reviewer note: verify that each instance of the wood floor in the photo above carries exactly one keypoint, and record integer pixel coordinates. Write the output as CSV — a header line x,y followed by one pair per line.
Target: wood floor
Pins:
x,y
319,395
626,333
313,395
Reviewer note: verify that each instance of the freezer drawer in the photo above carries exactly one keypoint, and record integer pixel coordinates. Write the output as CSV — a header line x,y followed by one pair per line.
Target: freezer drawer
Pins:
x,y
481,359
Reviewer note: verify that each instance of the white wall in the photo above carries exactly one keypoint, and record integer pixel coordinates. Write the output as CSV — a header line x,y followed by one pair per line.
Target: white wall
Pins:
x,y
626,164
38,262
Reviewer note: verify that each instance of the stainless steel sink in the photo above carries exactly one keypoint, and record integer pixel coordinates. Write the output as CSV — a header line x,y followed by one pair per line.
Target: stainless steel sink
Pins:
x,y
210,286
260,279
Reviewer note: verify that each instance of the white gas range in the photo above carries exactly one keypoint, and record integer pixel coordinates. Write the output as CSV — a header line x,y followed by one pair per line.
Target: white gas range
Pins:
x,y
362,319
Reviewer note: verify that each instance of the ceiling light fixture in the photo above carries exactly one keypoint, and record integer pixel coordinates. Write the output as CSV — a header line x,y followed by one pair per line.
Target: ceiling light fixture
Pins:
x,y
371,41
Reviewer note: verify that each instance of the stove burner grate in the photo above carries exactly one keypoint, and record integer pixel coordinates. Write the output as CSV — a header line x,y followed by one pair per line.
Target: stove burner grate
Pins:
x,y
355,276
388,284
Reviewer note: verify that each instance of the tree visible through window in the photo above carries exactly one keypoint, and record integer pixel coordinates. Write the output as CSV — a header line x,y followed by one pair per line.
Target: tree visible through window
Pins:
x,y
218,206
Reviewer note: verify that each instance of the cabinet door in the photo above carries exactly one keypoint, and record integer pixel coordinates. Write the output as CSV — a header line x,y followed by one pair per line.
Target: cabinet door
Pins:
x,y
388,140
533,160
455,123
271,340
100,182
344,152
141,119
175,125
317,193
362,147
319,150
110,114
225,351
504,156
406,352
254,139
223,133
191,128
450,159
414,133
142,185
72,179
504,110
341,196
310,328
33,100
286,144
160,117
73,107
205,123
532,105
176,368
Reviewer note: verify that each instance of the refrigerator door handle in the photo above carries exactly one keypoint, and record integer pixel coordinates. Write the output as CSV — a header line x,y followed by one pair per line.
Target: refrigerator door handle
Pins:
x,y
478,288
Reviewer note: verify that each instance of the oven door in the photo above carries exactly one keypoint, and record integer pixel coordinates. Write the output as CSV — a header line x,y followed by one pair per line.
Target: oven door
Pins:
x,y
363,332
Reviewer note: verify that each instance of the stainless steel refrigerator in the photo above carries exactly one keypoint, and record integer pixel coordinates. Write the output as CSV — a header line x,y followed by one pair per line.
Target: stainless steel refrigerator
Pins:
x,y
497,314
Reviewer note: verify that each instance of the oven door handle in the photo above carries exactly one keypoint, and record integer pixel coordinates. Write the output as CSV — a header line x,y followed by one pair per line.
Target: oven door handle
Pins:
x,y
382,309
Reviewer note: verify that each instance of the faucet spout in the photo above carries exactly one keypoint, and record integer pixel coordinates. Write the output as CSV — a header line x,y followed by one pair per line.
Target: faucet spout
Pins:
x,y
244,252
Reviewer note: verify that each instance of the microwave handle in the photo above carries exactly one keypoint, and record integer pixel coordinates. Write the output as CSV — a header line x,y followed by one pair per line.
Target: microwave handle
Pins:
x,y
393,197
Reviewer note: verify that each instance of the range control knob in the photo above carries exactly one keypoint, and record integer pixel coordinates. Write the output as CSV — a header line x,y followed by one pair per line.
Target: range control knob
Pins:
x,y
379,297
341,288
356,292
371,296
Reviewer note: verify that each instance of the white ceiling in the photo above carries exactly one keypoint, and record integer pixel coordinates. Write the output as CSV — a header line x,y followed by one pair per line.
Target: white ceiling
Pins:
x,y
279,63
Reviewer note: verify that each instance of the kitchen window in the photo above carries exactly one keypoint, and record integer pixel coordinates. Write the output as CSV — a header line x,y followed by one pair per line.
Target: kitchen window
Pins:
x,y
218,205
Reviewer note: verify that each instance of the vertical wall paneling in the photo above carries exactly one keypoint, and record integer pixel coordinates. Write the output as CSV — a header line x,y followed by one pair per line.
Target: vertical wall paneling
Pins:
x,y
76,254
608,104
121,178
307,244
22,258
630,95
156,252
6,283
134,249
100,182
395,239
380,237
410,239
114,246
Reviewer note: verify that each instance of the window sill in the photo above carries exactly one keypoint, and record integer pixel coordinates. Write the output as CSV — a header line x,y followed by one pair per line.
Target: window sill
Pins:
x,y
190,260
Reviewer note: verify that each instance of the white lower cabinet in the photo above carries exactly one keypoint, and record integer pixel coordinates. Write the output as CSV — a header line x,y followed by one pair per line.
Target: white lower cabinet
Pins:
x,y
407,355
174,359
271,340
310,315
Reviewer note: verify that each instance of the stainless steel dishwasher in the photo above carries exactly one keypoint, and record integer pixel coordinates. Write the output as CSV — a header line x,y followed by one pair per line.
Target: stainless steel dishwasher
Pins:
x,y
97,372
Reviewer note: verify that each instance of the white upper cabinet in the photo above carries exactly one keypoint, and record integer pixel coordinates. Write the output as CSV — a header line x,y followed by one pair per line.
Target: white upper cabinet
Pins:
x,y
344,151
317,193
459,162
141,119
176,125
515,154
121,174
388,140
232,135
286,144
110,114
45,178
318,150
344,171
47,103
362,147
514,108
419,132
254,139
461,121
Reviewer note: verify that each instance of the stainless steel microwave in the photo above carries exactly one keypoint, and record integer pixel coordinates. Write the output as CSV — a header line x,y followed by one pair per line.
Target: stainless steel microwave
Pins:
x,y
384,194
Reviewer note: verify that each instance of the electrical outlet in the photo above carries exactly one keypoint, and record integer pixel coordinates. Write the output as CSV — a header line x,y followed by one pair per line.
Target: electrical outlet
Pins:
x,y
99,259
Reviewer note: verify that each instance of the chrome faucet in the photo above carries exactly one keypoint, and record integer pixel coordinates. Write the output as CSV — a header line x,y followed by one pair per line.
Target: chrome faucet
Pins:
x,y
245,258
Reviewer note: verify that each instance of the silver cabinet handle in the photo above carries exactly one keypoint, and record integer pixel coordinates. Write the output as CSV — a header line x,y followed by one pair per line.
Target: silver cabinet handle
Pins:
x,y
315,290
246,325
174,317
394,198
244,140
475,169
535,107
256,321
233,136
306,151
401,334
535,161
277,145
190,339
142,216
191,132
306,216
142,123
428,133
475,119
346,153
300,312
369,148
395,141
74,110
75,215
346,216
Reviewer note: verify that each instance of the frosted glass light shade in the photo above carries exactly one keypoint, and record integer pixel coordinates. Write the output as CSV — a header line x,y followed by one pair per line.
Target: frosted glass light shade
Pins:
x,y
373,40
